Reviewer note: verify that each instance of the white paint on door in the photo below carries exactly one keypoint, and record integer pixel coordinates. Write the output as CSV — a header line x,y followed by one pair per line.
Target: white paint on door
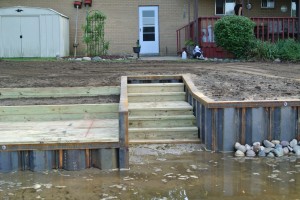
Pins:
x,y
149,29
11,40
30,30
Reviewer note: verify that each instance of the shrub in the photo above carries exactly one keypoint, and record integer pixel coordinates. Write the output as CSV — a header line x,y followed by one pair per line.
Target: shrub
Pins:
x,y
260,50
234,34
288,50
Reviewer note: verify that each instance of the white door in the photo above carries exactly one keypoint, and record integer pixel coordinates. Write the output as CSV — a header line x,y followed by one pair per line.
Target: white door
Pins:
x,y
30,31
11,33
148,29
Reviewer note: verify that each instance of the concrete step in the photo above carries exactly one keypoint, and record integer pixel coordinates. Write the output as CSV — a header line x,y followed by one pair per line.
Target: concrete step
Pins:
x,y
155,87
163,133
156,97
161,121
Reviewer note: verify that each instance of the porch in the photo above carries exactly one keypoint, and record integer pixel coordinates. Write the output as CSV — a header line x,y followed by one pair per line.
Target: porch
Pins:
x,y
201,31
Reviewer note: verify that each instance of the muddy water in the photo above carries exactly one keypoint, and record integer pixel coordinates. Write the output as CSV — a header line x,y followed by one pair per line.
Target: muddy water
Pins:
x,y
194,175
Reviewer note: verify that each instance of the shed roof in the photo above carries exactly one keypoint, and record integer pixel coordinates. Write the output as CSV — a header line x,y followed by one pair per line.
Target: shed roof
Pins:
x,y
24,10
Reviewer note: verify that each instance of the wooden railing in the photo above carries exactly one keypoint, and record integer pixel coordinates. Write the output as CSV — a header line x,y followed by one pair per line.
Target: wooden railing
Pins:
x,y
267,29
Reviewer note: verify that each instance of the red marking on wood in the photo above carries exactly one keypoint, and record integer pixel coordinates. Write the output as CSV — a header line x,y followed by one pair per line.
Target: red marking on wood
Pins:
x,y
88,131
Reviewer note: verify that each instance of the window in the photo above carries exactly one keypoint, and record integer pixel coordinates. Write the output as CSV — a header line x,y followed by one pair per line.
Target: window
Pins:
x,y
225,7
293,8
267,3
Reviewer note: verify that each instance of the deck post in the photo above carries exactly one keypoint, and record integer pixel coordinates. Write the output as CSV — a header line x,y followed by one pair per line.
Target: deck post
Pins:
x,y
298,9
196,35
123,126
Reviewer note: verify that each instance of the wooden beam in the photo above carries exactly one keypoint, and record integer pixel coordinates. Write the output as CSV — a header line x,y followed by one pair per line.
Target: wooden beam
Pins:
x,y
48,92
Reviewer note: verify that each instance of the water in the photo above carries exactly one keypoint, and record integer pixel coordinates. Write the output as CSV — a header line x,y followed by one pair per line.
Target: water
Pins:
x,y
196,175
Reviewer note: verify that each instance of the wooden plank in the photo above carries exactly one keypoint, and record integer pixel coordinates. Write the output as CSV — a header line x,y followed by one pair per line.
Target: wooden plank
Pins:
x,y
161,123
176,105
160,113
298,126
58,92
59,132
155,87
54,109
156,97
165,141
57,117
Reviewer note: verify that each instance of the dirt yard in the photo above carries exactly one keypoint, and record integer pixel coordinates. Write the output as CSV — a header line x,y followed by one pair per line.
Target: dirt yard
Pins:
x,y
219,81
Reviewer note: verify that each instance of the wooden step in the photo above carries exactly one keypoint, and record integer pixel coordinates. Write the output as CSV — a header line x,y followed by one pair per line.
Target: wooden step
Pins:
x,y
160,108
161,121
155,87
172,105
166,141
156,97
163,133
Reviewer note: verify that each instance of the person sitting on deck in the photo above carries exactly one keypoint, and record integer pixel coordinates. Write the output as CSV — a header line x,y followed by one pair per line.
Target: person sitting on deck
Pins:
x,y
197,53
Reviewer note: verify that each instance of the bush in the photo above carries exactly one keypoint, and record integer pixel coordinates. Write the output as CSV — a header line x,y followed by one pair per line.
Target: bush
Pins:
x,y
262,51
234,34
288,50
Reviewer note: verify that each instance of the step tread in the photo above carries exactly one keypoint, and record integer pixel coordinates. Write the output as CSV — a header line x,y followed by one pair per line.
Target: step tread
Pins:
x,y
164,141
156,93
167,105
165,129
173,117
154,84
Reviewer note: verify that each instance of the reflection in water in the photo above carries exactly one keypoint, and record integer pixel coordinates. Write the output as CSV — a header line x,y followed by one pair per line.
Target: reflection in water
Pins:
x,y
198,175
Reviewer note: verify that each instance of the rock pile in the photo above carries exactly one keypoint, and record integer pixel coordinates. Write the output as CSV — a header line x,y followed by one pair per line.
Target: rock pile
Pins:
x,y
268,148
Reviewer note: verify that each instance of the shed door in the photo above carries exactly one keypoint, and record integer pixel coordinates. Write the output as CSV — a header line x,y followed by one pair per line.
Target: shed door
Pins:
x,y
11,31
30,31
148,26
21,36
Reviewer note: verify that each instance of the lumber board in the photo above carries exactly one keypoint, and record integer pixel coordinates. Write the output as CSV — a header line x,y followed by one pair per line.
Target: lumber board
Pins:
x,y
172,105
156,97
155,87
164,141
160,112
77,131
161,123
7,93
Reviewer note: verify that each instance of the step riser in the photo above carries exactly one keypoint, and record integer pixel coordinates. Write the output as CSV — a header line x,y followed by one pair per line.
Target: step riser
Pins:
x,y
159,112
156,98
161,123
152,89
162,135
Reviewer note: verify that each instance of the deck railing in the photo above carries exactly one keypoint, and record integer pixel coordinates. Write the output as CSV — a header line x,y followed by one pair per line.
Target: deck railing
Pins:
x,y
267,29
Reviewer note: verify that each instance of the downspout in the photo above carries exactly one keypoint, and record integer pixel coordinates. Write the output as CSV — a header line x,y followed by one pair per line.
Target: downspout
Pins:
x,y
196,36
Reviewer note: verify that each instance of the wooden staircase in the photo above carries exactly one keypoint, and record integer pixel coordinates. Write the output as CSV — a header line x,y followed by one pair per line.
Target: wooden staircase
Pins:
x,y
158,113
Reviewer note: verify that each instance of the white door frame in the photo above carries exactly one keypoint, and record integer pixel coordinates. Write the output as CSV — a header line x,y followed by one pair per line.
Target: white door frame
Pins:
x,y
149,29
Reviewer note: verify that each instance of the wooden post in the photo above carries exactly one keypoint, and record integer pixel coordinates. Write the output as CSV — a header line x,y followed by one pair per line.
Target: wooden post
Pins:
x,y
123,126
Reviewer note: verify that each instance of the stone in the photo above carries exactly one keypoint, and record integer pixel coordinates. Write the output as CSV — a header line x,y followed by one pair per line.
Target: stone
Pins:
x,y
256,148
286,150
236,145
256,143
268,150
262,153
262,148
268,144
275,142
293,143
250,153
290,148
284,143
242,148
78,59
239,153
248,147
296,149
86,59
96,58
277,60
278,151
270,155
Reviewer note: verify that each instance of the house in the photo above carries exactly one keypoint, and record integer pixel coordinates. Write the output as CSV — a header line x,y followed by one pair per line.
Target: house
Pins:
x,y
157,24
155,21
274,19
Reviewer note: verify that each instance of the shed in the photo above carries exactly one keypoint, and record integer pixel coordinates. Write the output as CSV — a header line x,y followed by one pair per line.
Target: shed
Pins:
x,y
33,32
